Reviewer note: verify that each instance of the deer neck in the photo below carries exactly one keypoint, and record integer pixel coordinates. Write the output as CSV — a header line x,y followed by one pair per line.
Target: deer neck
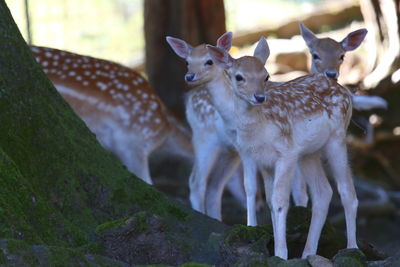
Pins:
x,y
246,115
220,89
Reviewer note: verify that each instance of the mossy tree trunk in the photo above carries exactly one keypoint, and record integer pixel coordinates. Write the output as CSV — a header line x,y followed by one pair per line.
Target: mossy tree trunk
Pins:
x,y
57,184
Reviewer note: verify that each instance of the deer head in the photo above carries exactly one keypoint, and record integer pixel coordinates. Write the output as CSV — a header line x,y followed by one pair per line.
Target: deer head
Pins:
x,y
327,54
247,74
201,67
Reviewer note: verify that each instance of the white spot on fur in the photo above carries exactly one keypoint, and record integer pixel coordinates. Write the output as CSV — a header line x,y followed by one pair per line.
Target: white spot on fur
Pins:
x,y
101,85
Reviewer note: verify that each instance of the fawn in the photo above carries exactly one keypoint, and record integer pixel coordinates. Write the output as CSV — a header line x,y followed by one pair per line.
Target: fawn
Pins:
x,y
281,125
118,105
328,55
212,137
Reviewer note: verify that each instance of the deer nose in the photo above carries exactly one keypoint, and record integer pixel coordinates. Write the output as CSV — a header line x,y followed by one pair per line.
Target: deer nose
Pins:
x,y
331,74
189,77
260,98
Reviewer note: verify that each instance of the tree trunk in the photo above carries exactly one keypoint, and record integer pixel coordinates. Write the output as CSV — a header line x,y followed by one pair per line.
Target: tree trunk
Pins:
x,y
192,20
57,184
383,42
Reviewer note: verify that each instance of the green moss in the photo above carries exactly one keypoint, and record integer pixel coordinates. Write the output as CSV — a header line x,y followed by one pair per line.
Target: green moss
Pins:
x,y
18,253
279,262
177,212
350,258
3,258
274,261
296,263
63,256
151,200
242,233
108,225
13,246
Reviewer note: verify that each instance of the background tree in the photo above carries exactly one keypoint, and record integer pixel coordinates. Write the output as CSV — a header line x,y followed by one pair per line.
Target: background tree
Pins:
x,y
194,21
382,21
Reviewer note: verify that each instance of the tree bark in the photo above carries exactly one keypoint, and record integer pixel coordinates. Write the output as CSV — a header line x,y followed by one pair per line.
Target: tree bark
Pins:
x,y
194,21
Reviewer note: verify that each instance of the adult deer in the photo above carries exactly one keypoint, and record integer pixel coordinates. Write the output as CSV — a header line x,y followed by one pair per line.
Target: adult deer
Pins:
x,y
118,105
328,55
280,126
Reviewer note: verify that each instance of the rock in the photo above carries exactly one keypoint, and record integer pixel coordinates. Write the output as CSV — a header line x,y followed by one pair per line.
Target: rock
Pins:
x,y
319,261
143,239
19,253
278,262
244,245
349,258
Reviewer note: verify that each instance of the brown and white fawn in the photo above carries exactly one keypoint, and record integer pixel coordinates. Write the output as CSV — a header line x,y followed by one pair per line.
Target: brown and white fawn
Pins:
x,y
328,55
280,126
216,158
118,106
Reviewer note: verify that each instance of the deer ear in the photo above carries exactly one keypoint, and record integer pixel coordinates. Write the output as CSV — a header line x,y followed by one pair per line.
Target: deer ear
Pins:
x,y
308,36
225,41
220,57
180,47
262,50
353,39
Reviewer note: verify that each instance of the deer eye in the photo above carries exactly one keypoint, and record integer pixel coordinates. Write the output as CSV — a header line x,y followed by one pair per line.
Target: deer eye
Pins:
x,y
239,77
187,63
341,57
267,78
209,62
315,56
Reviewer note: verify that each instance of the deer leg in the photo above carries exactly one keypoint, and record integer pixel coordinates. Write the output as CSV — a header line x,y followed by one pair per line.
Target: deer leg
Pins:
x,y
299,189
224,168
284,172
235,186
321,194
139,164
250,187
206,152
268,186
336,153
